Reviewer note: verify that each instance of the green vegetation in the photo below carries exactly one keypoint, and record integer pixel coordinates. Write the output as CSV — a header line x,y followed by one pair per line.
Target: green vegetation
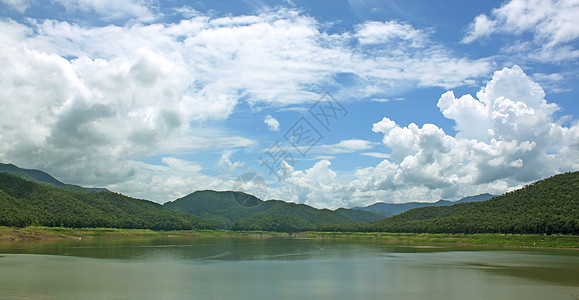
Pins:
x,y
481,239
485,239
44,178
223,209
24,203
34,198
545,207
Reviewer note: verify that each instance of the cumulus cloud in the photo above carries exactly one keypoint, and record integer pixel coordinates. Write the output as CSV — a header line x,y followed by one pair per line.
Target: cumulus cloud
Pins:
x,y
318,186
271,122
172,179
225,161
506,137
87,103
553,23
481,27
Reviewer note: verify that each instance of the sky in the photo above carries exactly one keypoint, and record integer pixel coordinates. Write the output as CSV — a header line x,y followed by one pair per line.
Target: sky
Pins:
x,y
328,103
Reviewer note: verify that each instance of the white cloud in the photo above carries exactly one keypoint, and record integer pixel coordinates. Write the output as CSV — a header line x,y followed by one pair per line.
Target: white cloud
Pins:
x,y
553,82
18,5
354,145
344,146
376,154
317,186
322,151
506,138
374,32
481,27
112,9
225,161
553,23
507,135
78,98
271,122
173,179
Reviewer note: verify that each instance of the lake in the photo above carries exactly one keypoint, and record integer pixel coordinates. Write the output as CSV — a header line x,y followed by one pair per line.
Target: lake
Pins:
x,y
278,268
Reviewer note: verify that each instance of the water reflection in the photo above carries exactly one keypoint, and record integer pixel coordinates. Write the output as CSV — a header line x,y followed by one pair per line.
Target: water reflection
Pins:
x,y
160,248
180,268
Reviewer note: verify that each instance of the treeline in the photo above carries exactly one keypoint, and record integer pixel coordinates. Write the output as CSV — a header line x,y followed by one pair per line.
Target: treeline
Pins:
x,y
545,207
24,203
292,217
273,222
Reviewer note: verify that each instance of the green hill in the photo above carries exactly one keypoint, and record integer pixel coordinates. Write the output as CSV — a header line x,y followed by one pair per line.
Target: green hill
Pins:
x,y
361,215
240,211
32,197
24,203
43,177
544,207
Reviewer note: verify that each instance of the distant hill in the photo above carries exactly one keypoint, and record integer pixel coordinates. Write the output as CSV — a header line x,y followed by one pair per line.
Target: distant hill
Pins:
x,y
43,177
361,215
24,202
390,209
241,211
544,207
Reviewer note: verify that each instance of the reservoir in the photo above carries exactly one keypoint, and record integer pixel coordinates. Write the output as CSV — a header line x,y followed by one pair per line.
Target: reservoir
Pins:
x,y
280,268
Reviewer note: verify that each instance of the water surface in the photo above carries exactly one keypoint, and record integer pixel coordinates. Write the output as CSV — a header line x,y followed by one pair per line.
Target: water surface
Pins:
x,y
240,268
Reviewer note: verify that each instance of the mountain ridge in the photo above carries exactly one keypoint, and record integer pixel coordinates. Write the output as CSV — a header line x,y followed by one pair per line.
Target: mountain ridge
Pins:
x,y
391,209
24,203
224,209
43,177
546,206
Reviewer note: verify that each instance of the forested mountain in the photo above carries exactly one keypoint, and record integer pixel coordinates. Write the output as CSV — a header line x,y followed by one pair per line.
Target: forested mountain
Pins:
x,y
43,177
24,203
33,197
36,198
544,207
361,215
390,209
241,211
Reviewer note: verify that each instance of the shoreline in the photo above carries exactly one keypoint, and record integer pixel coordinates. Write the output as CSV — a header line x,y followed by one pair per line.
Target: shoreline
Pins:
x,y
40,233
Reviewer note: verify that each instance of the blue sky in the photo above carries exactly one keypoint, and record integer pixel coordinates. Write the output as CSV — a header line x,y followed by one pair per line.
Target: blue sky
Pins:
x,y
157,99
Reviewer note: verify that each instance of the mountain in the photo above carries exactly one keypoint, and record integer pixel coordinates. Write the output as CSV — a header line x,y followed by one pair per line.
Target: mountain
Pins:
x,y
390,209
241,211
30,197
43,177
544,207
361,215
24,202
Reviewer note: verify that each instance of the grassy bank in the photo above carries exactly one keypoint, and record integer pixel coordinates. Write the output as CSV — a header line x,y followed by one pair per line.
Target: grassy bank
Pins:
x,y
509,240
484,239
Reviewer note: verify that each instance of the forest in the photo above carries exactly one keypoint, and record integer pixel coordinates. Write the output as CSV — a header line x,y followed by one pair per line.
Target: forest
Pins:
x,y
545,207
223,209
26,203
31,197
